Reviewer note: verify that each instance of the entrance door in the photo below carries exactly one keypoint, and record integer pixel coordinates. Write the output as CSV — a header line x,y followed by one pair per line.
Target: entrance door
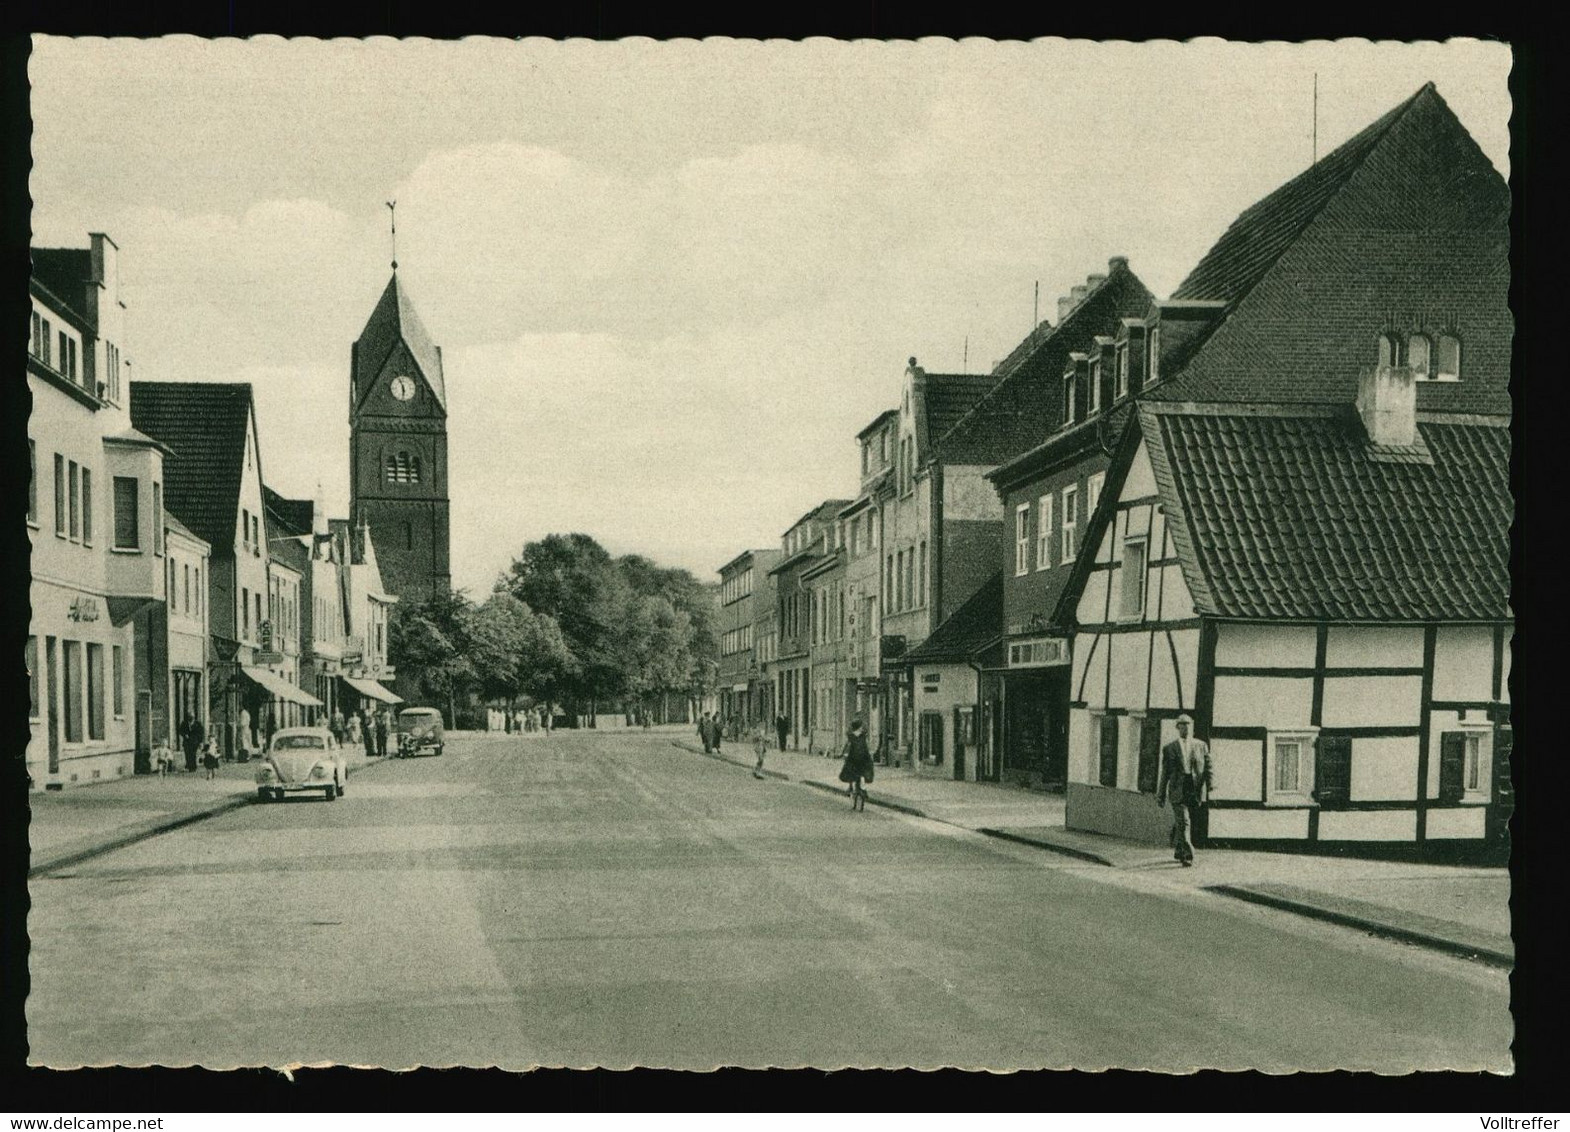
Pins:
x,y
964,738
53,708
987,760
930,747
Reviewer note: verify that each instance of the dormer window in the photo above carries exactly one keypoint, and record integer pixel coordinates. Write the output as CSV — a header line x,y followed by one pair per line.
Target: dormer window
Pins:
x,y
1153,370
1095,385
1120,373
1449,368
1419,352
1070,397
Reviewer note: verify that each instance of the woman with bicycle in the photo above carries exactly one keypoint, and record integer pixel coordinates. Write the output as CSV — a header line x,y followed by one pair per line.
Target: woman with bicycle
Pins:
x,y
857,771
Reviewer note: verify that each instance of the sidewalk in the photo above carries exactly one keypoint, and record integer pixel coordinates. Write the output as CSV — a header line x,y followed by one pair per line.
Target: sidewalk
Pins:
x,y
73,825
1459,909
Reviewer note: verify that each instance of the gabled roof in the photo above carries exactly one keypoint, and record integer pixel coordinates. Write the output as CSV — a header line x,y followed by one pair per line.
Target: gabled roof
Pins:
x,y
65,272
295,516
392,321
1023,404
877,421
204,423
1259,235
1405,224
949,396
174,525
970,629
1284,513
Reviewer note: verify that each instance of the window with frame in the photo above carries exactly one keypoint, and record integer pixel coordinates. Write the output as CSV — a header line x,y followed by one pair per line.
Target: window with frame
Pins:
x,y
1153,345
402,467
95,691
1120,372
75,499
59,495
1149,754
256,536
245,528
71,667
1095,386
1070,397
921,574
1465,770
158,517
1044,532
1419,352
32,481
35,347
1289,774
87,506
1069,524
127,520
1131,603
185,571
47,358
117,685
245,611
1449,359
1093,493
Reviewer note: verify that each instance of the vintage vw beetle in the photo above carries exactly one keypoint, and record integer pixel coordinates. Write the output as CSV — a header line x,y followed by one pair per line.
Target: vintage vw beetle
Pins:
x,y
302,760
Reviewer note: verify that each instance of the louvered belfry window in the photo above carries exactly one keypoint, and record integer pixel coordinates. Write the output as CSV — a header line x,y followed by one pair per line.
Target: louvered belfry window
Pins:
x,y
403,468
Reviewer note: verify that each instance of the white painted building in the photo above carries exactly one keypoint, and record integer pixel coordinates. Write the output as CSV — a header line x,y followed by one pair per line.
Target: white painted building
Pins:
x,y
1326,591
94,517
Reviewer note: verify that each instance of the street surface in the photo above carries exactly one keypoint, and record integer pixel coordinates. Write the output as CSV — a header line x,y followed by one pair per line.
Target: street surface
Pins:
x,y
610,900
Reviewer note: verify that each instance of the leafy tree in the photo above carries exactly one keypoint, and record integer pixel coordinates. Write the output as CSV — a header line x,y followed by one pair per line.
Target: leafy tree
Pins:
x,y
429,644
516,651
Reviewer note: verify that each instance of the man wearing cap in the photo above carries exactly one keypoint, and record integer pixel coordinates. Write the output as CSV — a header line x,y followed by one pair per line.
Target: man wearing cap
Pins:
x,y
1185,782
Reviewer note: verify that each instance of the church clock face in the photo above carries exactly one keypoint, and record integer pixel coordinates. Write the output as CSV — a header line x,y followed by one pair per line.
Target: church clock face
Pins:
x,y
403,388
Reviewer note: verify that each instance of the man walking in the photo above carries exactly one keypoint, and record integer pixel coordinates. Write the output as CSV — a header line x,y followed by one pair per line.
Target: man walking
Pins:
x,y
381,734
703,733
192,736
1185,782
760,744
782,727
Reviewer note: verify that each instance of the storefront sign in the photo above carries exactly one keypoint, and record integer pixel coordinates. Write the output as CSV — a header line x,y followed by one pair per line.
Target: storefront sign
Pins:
x,y
264,633
353,650
84,609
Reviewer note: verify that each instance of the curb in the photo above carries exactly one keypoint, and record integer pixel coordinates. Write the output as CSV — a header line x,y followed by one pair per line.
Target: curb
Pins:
x,y
1066,850
782,776
1376,927
153,829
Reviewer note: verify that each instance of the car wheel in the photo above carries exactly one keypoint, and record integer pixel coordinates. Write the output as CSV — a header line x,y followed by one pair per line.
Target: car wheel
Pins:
x,y
263,794
331,793
340,790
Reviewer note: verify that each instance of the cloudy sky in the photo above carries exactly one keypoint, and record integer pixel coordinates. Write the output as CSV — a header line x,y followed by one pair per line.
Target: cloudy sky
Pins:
x,y
670,281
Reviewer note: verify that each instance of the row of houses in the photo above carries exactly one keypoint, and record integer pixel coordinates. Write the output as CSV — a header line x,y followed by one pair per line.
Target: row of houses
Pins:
x,y
1277,501
169,582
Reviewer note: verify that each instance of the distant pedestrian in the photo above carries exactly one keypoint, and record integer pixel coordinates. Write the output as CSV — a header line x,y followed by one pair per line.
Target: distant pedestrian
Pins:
x,y
162,759
857,771
760,744
368,731
244,739
381,734
336,726
210,759
193,737
1185,783
352,730
704,734
717,730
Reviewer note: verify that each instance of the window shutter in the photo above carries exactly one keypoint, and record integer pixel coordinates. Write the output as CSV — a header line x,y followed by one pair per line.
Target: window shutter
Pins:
x,y
1452,765
1109,750
1149,754
1333,771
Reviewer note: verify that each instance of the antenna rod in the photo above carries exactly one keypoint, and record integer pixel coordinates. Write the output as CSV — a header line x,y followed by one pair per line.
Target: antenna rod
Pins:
x,y
965,366
1316,117
1035,314
392,210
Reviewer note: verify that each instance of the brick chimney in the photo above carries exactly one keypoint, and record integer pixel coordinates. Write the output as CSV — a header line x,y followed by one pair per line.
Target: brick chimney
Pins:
x,y
1065,307
1094,281
1116,263
1078,293
1387,404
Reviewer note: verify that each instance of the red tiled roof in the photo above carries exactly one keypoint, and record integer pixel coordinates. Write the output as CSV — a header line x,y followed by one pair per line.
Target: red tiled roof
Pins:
x,y
205,424
1284,513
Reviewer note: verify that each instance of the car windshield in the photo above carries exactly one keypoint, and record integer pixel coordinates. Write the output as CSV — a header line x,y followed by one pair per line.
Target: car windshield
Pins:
x,y
299,743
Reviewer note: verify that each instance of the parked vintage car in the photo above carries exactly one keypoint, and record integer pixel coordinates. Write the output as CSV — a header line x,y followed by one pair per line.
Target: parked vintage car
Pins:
x,y
302,760
419,732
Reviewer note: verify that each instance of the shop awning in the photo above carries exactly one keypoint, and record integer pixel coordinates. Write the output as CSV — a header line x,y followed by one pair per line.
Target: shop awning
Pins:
x,y
279,688
372,689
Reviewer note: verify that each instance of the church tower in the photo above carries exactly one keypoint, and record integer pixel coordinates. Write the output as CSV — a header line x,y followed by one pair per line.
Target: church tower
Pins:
x,y
398,447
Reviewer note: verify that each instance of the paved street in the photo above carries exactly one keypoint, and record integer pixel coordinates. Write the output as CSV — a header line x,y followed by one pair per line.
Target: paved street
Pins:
x,y
609,899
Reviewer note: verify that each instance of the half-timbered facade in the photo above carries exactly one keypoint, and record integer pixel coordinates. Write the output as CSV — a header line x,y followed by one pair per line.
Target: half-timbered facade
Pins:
x,y
1326,591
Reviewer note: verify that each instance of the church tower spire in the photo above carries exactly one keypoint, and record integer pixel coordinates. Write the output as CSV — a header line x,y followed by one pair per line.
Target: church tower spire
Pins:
x,y
398,443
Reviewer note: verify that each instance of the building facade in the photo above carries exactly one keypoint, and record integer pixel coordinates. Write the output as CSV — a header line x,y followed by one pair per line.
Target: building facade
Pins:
x,y
801,547
95,521
833,689
746,602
